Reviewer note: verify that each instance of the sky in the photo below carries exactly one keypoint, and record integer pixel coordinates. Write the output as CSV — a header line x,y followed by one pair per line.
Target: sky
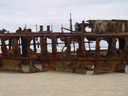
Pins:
x,y
15,13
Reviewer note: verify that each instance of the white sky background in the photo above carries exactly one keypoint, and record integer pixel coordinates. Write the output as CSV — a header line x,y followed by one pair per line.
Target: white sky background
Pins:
x,y
15,13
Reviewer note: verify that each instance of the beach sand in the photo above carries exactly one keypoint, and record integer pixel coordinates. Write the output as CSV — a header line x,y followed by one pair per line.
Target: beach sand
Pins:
x,y
53,83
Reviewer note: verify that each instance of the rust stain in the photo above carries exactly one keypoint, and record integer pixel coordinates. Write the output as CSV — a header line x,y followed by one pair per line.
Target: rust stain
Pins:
x,y
21,47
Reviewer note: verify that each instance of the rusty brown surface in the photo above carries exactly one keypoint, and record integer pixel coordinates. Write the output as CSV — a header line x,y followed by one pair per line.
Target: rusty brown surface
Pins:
x,y
21,48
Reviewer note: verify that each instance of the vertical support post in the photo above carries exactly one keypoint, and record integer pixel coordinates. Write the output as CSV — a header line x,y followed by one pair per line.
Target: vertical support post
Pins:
x,y
126,44
46,43
112,47
68,44
81,47
74,46
54,49
97,47
44,54
125,47
43,46
19,42
25,45
9,44
15,47
89,45
34,44
4,48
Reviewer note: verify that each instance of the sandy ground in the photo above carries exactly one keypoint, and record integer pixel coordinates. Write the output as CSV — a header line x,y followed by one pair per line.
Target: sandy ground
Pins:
x,y
63,84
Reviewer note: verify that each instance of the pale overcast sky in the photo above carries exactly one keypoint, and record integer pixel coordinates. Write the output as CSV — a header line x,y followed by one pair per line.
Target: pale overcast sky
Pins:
x,y
15,13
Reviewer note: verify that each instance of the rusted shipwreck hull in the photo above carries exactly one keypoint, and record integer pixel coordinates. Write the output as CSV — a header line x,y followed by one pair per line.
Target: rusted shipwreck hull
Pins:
x,y
21,48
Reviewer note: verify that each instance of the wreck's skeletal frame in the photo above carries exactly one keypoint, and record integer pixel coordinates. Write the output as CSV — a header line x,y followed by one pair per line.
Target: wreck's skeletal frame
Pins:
x,y
112,59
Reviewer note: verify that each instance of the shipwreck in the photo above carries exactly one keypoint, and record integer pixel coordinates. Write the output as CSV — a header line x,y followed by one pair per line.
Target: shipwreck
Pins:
x,y
75,53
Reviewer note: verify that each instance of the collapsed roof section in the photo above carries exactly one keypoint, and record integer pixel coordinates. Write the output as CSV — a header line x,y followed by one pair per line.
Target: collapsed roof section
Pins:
x,y
103,26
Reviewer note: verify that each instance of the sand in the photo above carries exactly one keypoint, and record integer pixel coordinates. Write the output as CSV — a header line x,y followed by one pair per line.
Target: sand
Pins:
x,y
63,84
